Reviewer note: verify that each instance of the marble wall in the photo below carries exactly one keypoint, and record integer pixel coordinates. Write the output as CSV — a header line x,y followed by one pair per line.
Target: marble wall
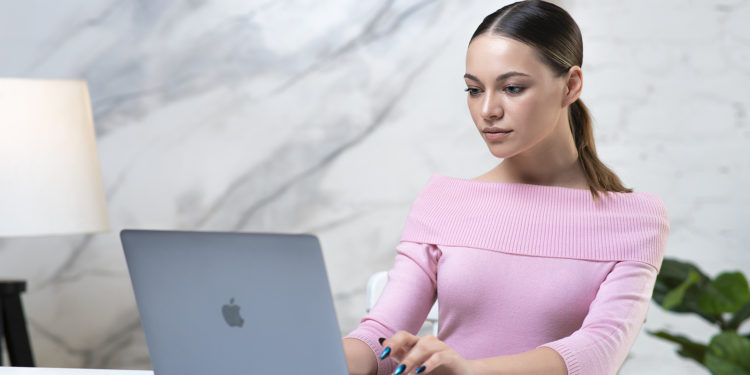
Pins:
x,y
328,117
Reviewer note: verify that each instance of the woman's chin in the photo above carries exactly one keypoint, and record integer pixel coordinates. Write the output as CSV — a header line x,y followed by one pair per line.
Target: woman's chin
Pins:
x,y
496,152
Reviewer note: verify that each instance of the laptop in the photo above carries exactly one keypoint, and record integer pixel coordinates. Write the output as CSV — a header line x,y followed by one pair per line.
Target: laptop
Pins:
x,y
234,303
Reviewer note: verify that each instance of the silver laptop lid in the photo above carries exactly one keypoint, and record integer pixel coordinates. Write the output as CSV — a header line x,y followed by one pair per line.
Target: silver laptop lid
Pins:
x,y
234,303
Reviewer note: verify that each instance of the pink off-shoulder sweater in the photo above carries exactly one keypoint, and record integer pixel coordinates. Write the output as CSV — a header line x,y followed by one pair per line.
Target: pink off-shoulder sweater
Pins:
x,y
518,266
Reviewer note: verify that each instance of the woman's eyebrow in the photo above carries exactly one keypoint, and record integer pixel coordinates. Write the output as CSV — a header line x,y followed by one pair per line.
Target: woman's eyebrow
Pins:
x,y
499,78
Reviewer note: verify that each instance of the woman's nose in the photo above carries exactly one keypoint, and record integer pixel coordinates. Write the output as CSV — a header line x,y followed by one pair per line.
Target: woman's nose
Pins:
x,y
492,109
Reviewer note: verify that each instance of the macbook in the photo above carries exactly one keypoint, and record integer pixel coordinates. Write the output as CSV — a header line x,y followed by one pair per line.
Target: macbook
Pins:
x,y
234,303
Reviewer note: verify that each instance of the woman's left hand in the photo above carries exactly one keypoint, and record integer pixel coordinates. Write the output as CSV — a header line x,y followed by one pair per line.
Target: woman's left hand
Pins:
x,y
413,353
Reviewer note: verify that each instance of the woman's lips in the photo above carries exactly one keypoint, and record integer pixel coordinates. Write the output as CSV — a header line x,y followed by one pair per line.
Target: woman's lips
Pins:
x,y
496,136
495,129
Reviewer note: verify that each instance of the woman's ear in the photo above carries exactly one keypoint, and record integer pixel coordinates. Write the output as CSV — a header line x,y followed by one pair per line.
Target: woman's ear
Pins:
x,y
573,85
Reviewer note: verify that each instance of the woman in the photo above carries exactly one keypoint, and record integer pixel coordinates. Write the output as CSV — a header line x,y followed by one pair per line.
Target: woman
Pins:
x,y
543,265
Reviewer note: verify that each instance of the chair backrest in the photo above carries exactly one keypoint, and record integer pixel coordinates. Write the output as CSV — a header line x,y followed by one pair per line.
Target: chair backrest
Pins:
x,y
375,286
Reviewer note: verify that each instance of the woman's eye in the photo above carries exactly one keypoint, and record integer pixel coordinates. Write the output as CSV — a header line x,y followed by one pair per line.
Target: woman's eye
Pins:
x,y
513,89
472,91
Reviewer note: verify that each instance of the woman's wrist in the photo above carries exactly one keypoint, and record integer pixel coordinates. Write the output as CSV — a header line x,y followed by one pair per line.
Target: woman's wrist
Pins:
x,y
479,367
360,358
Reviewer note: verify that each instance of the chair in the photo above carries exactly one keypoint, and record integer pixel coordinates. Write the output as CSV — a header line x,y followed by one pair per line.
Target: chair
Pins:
x,y
375,286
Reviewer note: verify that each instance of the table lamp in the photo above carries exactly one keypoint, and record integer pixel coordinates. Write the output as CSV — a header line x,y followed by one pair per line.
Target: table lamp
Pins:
x,y
50,181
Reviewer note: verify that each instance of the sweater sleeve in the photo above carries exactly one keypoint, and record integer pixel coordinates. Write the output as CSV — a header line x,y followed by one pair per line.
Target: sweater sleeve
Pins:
x,y
612,323
405,301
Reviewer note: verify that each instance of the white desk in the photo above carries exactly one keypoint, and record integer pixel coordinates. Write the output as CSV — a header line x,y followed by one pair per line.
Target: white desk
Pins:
x,y
68,371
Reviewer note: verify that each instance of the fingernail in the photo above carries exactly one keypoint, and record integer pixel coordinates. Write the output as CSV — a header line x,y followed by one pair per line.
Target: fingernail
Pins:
x,y
380,340
399,370
420,370
385,352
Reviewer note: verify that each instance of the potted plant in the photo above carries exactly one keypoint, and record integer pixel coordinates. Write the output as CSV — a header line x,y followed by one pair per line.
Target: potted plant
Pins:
x,y
723,301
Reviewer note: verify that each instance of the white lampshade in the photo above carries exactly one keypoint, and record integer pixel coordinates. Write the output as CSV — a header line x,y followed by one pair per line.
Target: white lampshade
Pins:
x,y
50,182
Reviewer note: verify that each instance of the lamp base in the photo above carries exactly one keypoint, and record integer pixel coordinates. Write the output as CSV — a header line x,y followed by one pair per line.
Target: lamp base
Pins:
x,y
13,323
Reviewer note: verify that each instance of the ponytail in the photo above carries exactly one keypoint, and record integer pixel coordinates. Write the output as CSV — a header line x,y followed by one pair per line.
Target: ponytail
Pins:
x,y
600,178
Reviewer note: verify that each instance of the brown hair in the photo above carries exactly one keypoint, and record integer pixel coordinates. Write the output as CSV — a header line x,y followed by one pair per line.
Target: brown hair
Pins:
x,y
556,38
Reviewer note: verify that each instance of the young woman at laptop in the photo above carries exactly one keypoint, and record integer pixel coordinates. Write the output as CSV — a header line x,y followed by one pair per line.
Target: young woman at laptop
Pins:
x,y
543,265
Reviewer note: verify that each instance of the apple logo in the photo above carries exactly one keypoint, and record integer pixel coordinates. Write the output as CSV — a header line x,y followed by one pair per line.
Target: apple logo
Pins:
x,y
231,314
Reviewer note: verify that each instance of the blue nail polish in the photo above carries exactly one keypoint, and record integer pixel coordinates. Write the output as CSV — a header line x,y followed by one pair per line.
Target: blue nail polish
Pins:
x,y
420,370
385,352
399,370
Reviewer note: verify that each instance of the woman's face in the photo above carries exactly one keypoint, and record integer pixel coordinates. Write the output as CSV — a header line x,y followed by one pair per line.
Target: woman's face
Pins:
x,y
510,88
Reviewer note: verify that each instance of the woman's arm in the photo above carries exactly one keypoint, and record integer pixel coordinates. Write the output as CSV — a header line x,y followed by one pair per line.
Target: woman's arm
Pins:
x,y
359,357
539,361
405,301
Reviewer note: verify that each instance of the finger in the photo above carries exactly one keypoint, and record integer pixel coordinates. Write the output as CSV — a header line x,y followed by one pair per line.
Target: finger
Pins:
x,y
398,345
419,353
436,360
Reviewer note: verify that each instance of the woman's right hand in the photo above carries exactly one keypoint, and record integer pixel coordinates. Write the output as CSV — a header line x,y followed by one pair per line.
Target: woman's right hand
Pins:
x,y
359,357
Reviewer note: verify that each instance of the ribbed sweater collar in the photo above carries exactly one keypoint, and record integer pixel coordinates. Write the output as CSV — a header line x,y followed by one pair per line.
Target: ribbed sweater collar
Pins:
x,y
537,220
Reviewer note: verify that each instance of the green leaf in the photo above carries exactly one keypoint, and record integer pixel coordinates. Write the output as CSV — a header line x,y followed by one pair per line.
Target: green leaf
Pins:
x,y
739,317
675,296
728,353
677,271
671,275
688,348
727,293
